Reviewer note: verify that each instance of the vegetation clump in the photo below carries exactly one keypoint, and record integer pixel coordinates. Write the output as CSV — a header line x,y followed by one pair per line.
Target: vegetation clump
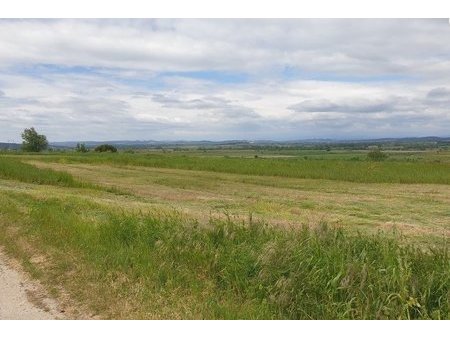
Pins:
x,y
33,142
81,148
105,148
376,155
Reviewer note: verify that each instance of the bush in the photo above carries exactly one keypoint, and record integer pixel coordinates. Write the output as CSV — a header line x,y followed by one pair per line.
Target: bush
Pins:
x,y
81,148
376,155
106,147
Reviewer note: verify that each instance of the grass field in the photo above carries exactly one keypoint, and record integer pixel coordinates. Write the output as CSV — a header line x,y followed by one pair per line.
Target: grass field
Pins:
x,y
332,167
228,235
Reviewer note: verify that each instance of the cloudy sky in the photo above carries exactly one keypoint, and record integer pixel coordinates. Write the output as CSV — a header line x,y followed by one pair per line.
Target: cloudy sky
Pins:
x,y
224,79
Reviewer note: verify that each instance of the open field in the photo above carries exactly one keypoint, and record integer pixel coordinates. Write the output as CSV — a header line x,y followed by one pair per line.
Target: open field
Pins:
x,y
429,167
417,209
228,235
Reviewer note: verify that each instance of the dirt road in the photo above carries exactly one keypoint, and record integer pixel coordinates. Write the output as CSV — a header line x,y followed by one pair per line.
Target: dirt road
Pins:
x,y
21,298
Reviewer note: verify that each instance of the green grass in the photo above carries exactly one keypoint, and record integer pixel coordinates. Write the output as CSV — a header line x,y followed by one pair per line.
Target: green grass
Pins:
x,y
119,262
11,168
14,169
332,169
162,265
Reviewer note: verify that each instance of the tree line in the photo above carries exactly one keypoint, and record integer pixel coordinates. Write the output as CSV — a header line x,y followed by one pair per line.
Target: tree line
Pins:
x,y
35,142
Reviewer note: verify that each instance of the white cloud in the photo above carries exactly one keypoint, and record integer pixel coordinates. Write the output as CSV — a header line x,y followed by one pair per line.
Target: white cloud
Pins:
x,y
346,47
300,78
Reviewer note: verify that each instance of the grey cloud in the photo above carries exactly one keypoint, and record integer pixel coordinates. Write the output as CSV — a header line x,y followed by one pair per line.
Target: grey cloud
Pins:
x,y
139,95
203,103
357,106
103,106
232,113
439,93
124,91
8,101
369,47
438,98
215,107
165,100
348,125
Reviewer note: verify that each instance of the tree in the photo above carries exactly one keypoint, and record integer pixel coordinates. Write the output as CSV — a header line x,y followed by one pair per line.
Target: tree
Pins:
x,y
81,148
106,147
32,141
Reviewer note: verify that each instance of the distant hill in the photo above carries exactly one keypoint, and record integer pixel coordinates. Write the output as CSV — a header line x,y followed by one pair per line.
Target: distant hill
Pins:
x,y
422,141
401,143
11,146
150,143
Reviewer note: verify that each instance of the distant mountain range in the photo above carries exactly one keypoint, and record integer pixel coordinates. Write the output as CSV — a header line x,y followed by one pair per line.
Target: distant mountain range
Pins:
x,y
430,140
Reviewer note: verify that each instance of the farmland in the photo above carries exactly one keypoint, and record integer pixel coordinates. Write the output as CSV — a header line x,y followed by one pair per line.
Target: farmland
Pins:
x,y
298,234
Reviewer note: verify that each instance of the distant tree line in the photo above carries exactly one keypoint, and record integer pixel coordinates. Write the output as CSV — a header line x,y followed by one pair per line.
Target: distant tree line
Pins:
x,y
81,148
35,142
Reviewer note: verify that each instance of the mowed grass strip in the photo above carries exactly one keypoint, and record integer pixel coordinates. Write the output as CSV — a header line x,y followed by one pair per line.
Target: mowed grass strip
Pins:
x,y
332,169
162,265
417,209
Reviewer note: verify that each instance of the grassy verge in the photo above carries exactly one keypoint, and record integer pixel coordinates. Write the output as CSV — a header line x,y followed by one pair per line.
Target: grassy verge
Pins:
x,y
156,265
332,169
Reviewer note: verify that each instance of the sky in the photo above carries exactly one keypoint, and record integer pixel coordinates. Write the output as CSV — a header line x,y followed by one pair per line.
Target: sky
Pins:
x,y
224,79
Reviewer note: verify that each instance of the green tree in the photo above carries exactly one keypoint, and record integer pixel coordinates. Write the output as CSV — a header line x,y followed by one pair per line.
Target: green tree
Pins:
x,y
32,141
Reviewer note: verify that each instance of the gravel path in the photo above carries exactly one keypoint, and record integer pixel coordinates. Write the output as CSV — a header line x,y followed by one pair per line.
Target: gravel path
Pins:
x,y
20,298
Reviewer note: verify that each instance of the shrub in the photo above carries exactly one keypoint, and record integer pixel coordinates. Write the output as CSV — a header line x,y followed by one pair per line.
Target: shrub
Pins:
x,y
105,147
81,148
376,155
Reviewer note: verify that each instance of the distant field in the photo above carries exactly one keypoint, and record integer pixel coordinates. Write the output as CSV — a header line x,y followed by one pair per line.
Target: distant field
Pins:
x,y
228,235
429,169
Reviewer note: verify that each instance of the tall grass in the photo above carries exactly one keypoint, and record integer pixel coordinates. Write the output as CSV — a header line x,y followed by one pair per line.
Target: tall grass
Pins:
x,y
164,266
14,169
332,169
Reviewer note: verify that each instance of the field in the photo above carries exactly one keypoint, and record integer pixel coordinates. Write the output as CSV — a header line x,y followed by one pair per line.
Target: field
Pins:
x,y
277,234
